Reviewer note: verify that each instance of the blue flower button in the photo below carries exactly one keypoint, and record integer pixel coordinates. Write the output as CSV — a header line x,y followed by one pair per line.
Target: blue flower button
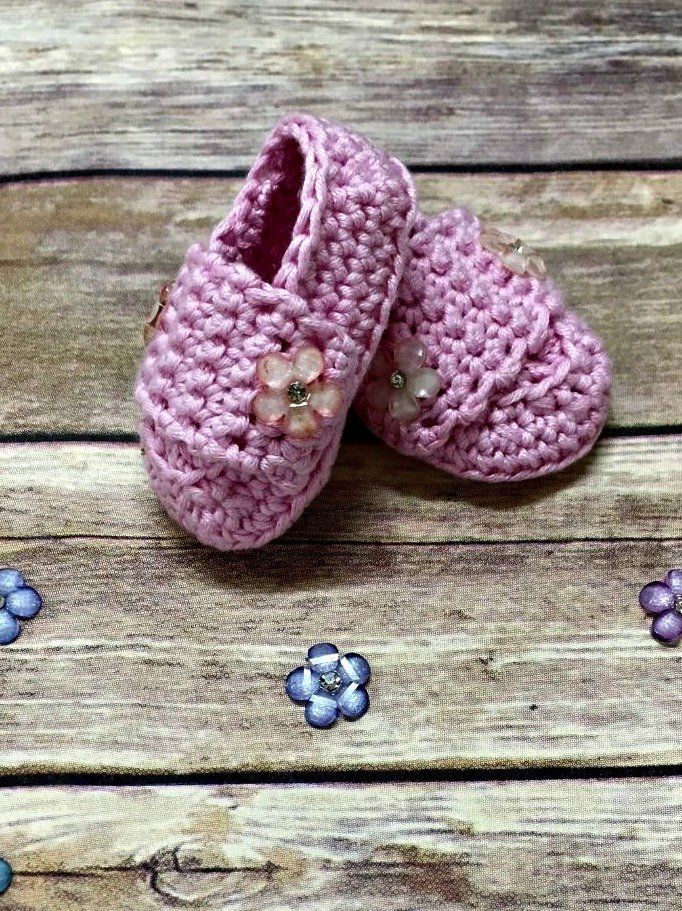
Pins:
x,y
18,601
9,628
10,579
5,876
330,685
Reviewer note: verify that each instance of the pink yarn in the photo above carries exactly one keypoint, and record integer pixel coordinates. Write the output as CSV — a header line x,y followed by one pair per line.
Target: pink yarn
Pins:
x,y
525,384
311,253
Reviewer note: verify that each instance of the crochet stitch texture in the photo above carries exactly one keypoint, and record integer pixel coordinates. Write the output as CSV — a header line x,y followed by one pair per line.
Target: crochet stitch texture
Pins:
x,y
310,254
525,382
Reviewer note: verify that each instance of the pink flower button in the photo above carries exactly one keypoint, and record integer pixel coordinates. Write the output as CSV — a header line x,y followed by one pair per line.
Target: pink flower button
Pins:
x,y
401,384
517,256
293,394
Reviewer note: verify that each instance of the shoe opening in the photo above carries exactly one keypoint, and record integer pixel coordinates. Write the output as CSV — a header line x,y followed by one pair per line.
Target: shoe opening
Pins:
x,y
262,226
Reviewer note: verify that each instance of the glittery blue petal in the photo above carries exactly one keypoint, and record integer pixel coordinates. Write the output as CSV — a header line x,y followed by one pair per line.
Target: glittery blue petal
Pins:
x,y
24,602
353,668
9,628
5,876
9,580
301,684
353,701
321,711
323,657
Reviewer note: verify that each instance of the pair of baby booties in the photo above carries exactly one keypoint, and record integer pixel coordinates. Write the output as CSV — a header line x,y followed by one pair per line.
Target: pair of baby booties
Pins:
x,y
325,287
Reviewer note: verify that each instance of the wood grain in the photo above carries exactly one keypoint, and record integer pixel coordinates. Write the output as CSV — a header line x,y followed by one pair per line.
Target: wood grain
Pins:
x,y
501,623
147,84
627,488
468,846
81,263
165,657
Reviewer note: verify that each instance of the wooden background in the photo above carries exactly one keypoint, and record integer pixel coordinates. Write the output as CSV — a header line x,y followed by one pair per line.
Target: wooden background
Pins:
x,y
524,746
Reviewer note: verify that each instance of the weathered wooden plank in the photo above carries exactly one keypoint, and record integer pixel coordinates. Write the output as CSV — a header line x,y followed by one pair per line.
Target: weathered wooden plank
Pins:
x,y
81,262
627,488
530,845
162,657
148,84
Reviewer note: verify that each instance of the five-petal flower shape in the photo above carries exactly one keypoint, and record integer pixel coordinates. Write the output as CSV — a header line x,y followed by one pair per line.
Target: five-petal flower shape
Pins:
x,y
517,256
293,394
663,602
330,685
400,384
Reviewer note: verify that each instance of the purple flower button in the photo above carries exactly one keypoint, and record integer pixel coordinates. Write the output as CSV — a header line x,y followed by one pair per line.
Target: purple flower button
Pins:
x,y
663,602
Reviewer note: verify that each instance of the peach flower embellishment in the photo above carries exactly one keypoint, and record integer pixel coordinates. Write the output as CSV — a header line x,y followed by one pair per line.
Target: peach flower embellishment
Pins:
x,y
402,384
293,394
517,256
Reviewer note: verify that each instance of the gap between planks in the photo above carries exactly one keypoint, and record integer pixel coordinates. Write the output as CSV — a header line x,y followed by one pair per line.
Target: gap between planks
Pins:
x,y
417,170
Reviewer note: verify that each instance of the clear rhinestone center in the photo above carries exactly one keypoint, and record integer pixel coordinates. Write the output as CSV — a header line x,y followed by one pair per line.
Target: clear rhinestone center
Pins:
x,y
297,393
398,379
330,681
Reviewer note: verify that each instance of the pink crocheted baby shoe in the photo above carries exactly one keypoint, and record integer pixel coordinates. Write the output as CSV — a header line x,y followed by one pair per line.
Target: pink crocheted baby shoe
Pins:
x,y
268,331
483,372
